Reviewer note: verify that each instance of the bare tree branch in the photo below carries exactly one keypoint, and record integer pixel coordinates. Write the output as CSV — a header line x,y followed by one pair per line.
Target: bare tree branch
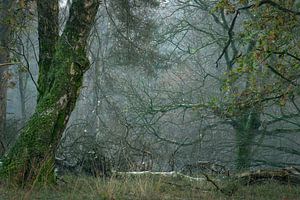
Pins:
x,y
8,64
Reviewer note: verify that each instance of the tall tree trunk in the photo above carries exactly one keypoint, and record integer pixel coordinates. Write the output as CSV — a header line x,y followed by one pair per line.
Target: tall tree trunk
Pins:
x,y
246,128
3,88
5,6
60,79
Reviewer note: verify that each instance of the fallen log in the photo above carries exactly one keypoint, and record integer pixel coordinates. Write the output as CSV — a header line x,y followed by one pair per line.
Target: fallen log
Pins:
x,y
288,175
170,174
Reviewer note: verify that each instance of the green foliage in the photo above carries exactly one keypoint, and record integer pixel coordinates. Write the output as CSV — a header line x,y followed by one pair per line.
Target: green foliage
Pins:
x,y
269,58
264,67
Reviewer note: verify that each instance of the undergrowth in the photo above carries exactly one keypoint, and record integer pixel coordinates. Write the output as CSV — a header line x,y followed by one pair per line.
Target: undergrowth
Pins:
x,y
147,187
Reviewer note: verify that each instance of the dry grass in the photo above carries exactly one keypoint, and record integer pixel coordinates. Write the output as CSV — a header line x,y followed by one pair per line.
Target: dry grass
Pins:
x,y
148,187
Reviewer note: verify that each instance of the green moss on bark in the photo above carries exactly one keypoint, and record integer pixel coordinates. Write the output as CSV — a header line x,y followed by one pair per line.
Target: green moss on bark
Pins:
x,y
246,129
32,157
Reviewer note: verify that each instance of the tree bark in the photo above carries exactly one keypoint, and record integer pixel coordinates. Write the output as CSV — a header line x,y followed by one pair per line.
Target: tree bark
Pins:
x,y
32,157
246,127
5,6
48,30
3,88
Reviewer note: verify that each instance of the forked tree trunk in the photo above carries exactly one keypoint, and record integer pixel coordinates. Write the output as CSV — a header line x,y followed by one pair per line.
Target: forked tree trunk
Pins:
x,y
60,78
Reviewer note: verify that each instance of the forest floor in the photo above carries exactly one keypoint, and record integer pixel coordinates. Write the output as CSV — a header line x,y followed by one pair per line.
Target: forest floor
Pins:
x,y
149,187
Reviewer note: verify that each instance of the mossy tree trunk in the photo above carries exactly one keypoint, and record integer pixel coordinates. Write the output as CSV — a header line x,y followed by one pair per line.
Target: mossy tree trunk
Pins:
x,y
5,29
246,127
62,64
48,30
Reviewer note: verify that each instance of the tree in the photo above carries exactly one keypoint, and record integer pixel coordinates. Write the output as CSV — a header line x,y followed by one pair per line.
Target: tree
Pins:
x,y
213,34
62,63
119,45
265,71
5,29
254,78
